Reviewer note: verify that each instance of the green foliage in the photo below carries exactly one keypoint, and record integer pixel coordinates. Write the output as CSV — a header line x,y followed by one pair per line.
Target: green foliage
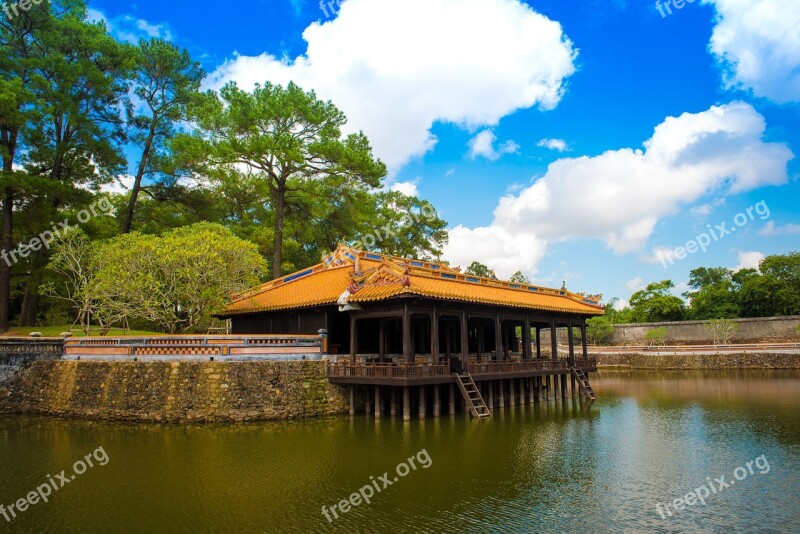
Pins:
x,y
165,80
519,278
476,268
713,295
174,281
655,304
286,140
598,329
773,291
656,336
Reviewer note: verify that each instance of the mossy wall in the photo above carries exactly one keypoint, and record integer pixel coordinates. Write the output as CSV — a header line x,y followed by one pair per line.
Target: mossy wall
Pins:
x,y
701,361
174,391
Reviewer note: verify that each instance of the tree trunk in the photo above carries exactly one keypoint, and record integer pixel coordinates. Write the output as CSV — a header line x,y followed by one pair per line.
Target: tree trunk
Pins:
x,y
30,302
137,182
277,256
5,262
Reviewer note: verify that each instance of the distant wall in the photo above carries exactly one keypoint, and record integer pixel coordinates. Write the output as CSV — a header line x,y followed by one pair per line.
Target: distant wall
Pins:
x,y
750,330
174,391
701,361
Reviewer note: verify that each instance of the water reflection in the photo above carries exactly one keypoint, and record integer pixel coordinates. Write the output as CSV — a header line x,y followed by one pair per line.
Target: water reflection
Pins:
x,y
650,437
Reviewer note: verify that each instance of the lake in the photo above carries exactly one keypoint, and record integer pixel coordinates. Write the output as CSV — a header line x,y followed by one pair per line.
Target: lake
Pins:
x,y
651,438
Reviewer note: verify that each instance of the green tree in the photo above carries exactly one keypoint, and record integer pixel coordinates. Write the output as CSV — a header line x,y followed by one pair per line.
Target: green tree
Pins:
x,y
655,303
713,295
175,280
164,81
519,278
476,268
74,131
598,329
775,290
283,136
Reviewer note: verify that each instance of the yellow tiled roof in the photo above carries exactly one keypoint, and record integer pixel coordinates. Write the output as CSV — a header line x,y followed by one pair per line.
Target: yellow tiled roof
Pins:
x,y
382,277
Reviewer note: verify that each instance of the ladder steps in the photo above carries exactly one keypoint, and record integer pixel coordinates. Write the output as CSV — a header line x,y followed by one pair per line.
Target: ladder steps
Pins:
x,y
472,396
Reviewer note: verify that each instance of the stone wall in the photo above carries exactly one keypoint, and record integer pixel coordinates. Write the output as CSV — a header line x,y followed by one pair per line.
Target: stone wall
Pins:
x,y
174,391
750,331
16,353
701,361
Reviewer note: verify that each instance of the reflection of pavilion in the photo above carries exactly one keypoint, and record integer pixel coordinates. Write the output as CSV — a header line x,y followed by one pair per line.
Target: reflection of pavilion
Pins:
x,y
410,323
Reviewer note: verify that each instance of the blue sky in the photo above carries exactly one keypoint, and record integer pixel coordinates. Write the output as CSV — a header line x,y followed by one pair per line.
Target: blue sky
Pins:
x,y
577,140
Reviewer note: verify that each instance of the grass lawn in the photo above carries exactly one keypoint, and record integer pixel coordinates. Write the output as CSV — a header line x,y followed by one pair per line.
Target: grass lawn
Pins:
x,y
54,331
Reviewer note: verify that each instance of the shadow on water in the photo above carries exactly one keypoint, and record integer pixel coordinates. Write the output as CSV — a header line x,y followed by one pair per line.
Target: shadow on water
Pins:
x,y
650,437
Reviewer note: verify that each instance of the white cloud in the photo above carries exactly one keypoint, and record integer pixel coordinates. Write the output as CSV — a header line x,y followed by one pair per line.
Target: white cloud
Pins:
x,y
449,173
621,304
635,283
758,44
772,230
121,184
554,144
619,196
407,188
128,28
748,260
702,211
396,69
483,145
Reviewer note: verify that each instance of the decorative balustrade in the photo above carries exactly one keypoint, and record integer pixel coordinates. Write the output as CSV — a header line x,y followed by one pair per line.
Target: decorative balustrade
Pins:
x,y
222,347
520,366
383,370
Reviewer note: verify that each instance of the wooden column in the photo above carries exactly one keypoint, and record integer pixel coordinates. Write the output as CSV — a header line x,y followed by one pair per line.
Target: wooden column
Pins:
x,y
452,399
498,338
571,339
381,339
491,393
501,392
553,341
538,343
408,353
437,400
435,337
406,403
564,387
512,398
584,342
522,391
393,402
531,390
464,340
378,402
548,388
367,404
422,402
479,348
526,340
353,338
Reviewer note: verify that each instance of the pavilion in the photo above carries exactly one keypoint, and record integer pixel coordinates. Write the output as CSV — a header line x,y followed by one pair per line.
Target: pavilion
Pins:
x,y
394,324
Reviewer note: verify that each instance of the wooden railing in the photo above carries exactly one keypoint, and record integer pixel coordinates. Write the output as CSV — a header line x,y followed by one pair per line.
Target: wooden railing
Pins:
x,y
590,363
222,347
483,368
384,370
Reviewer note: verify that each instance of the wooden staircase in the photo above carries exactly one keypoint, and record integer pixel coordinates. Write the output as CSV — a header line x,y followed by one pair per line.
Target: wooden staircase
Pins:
x,y
586,387
472,396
